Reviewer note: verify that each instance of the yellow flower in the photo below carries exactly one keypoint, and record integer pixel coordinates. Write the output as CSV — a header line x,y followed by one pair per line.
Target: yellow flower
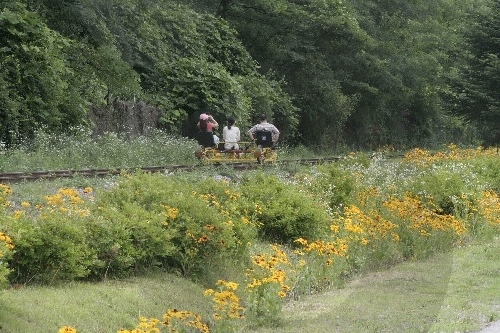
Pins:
x,y
208,292
67,329
18,214
334,227
301,241
202,239
209,227
228,285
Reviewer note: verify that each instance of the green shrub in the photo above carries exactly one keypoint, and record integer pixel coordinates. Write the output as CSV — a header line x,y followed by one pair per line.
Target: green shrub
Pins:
x,y
444,189
121,247
286,213
6,245
488,169
334,185
139,222
50,242
49,250
177,222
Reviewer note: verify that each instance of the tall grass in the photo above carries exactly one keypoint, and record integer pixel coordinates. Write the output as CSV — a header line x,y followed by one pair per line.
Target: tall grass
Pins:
x,y
80,151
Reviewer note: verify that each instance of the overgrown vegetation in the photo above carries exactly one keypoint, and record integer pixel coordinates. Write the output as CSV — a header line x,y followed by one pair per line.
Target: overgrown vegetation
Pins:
x,y
329,74
253,240
94,52
82,150
79,150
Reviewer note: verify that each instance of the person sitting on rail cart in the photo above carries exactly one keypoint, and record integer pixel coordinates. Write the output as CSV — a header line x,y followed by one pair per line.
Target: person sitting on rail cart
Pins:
x,y
231,135
206,125
264,134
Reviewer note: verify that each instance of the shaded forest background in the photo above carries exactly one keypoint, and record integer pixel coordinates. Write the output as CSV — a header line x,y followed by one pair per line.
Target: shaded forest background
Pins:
x,y
359,74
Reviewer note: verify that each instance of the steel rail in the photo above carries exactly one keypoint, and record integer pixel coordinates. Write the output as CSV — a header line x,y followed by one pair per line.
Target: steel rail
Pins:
x,y
11,177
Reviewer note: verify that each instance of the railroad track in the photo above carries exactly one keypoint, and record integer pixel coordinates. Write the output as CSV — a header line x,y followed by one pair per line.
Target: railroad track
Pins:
x,y
12,177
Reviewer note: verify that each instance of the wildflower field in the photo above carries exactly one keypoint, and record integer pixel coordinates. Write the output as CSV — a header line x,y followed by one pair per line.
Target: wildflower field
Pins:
x,y
253,240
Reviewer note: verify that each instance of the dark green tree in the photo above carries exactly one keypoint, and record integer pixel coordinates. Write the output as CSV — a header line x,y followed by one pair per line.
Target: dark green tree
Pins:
x,y
94,54
478,97
187,62
300,42
365,73
34,77
416,49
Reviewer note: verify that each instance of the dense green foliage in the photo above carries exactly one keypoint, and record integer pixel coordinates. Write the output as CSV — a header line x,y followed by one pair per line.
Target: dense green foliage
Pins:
x,y
364,73
477,94
358,74
182,62
37,87
286,213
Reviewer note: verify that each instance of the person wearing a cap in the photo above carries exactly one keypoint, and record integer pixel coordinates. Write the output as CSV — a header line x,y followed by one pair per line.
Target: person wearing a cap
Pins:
x,y
207,123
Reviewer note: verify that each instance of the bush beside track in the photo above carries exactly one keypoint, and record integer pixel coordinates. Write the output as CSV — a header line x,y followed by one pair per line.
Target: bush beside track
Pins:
x,y
327,223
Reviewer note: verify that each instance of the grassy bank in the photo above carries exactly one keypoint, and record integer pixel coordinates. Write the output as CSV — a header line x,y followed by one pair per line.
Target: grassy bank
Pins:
x,y
451,292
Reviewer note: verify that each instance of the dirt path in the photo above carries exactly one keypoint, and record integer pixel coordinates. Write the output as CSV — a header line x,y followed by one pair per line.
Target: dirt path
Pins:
x,y
492,328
